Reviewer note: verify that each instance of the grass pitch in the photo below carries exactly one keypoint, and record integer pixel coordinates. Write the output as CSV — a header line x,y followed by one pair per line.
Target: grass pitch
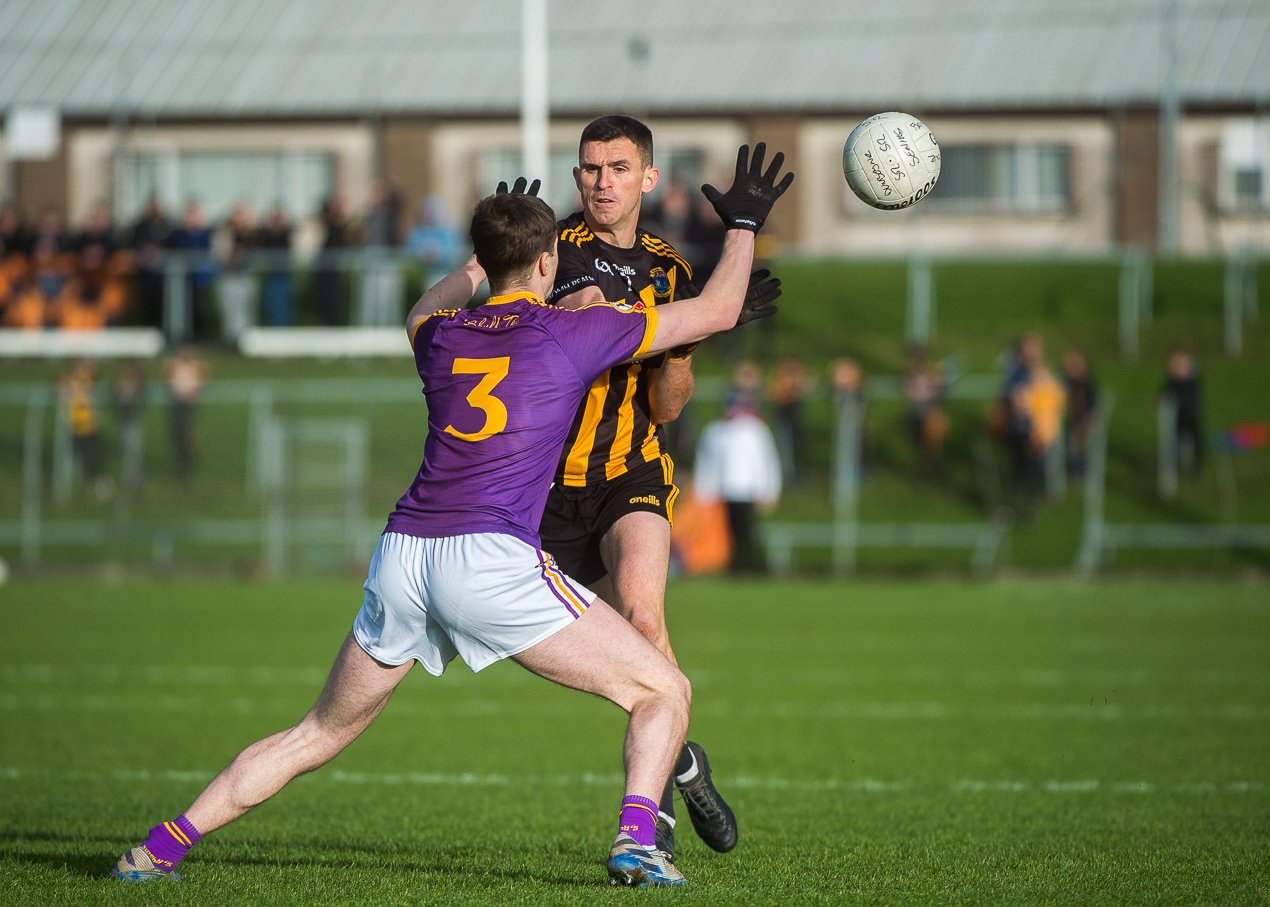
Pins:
x,y
1019,742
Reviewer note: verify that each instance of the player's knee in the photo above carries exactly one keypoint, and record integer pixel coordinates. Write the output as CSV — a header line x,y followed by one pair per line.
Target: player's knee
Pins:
x,y
685,689
676,689
321,741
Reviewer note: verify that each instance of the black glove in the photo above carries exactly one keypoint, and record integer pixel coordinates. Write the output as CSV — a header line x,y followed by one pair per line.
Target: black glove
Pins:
x,y
518,188
763,291
747,204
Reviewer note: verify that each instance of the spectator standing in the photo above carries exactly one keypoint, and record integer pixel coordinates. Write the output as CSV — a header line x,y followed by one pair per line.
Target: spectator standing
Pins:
x,y
129,398
1081,389
97,230
1183,392
279,285
328,277
747,383
383,212
236,293
787,390
926,418
435,241
185,375
193,238
15,256
15,235
151,237
671,216
78,391
737,463
1034,403
50,233
847,394
382,291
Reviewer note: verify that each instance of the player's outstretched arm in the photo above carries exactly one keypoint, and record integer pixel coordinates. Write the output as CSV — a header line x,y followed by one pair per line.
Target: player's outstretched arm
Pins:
x,y
453,291
744,209
457,288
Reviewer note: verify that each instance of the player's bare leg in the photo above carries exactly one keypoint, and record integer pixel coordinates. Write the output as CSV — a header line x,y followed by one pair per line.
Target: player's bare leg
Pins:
x,y
356,691
600,653
636,552
603,654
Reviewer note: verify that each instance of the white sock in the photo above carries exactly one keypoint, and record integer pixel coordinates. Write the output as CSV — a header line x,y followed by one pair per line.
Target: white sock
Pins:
x,y
691,773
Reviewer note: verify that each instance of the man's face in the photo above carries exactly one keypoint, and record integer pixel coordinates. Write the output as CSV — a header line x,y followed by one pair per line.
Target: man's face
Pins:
x,y
612,182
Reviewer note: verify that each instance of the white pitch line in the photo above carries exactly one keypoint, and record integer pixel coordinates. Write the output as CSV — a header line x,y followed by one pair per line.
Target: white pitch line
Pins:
x,y
598,779
811,678
464,704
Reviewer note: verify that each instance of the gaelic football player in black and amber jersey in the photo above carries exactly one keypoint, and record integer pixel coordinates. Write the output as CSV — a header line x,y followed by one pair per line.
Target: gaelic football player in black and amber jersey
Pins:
x,y
607,519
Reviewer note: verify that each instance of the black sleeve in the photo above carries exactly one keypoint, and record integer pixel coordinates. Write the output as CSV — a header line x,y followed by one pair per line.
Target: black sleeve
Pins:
x,y
572,273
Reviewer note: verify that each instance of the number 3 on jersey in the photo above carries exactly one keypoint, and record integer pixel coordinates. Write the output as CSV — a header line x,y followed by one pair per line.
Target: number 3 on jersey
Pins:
x,y
481,396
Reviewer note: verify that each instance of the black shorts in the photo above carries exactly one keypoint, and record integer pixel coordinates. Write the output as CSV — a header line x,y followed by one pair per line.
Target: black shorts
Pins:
x,y
575,519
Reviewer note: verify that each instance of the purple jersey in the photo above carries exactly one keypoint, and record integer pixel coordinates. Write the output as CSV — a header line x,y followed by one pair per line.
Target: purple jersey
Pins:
x,y
503,382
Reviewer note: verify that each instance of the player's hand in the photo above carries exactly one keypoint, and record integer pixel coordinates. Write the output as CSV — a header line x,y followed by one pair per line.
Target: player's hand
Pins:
x,y
519,187
764,290
746,205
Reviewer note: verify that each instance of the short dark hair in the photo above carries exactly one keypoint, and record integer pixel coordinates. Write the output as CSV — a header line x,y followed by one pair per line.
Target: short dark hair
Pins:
x,y
617,126
509,232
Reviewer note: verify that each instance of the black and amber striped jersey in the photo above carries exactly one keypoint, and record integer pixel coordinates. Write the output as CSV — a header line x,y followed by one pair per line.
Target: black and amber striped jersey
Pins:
x,y
613,431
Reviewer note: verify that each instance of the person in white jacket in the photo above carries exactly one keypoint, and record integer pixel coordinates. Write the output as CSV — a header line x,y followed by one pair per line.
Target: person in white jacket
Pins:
x,y
737,463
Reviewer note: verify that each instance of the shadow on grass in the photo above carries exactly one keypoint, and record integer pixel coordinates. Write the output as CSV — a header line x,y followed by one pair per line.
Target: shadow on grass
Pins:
x,y
450,861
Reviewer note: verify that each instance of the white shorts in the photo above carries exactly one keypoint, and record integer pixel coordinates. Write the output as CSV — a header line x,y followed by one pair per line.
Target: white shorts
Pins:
x,y
484,596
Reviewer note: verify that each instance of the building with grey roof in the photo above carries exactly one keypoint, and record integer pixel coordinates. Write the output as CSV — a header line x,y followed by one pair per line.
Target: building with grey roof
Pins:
x,y
1075,127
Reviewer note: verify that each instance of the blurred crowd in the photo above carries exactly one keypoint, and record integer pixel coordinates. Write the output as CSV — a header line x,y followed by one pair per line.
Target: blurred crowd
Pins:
x,y
103,412
100,273
53,276
1041,419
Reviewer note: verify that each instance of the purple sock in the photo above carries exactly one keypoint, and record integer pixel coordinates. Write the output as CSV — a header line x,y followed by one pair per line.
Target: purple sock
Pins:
x,y
639,819
169,842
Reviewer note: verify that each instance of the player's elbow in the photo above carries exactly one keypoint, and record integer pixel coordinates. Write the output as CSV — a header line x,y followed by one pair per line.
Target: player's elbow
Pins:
x,y
667,411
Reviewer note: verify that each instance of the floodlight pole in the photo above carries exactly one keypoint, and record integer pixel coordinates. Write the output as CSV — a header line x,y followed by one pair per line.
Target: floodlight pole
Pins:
x,y
533,93
1166,239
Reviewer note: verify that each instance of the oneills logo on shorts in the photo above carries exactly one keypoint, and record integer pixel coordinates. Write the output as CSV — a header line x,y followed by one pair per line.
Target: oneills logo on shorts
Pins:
x,y
646,499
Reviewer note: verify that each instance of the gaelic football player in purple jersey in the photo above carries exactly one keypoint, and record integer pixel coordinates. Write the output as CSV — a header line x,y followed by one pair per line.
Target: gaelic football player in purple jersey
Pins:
x,y
459,569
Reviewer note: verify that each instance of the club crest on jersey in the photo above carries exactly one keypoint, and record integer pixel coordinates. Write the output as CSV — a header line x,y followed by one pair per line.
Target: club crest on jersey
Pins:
x,y
661,283
623,305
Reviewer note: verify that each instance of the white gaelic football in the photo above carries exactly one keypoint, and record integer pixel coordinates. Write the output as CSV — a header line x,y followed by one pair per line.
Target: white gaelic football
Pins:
x,y
891,161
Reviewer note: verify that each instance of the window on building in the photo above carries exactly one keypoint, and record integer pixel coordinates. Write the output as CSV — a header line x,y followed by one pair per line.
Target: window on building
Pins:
x,y
1245,158
300,180
1010,178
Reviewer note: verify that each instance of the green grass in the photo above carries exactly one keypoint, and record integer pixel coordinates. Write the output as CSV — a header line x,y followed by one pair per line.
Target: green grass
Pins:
x,y
883,743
